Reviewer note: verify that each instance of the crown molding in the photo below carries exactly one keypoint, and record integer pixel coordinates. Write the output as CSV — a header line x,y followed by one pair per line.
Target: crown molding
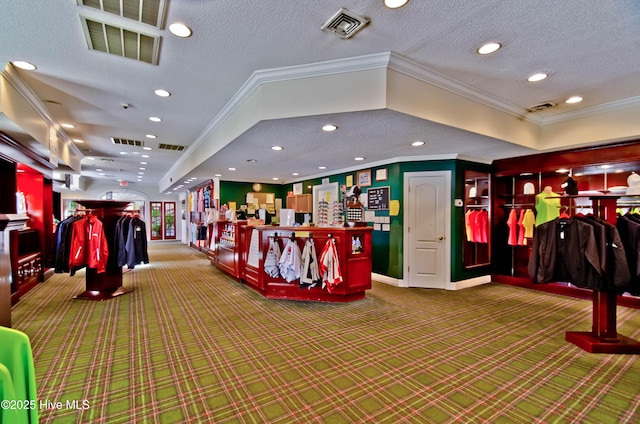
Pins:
x,y
13,77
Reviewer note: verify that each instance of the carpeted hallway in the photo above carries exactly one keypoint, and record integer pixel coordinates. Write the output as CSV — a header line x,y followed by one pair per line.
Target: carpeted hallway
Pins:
x,y
189,344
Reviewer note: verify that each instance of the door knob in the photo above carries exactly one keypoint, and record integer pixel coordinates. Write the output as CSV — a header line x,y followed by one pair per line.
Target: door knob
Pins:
x,y
441,238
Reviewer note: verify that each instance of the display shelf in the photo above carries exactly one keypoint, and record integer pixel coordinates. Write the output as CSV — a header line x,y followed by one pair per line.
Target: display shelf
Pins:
x,y
354,256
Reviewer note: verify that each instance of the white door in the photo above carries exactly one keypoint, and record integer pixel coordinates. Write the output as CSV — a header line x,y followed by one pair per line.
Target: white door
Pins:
x,y
427,226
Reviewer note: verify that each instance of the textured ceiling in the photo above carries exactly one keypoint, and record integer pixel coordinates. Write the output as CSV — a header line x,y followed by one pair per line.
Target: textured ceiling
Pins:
x,y
589,48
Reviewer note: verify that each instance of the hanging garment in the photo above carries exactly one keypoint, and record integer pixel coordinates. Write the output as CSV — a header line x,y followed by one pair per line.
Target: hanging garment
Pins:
x,y
512,223
585,252
272,259
480,226
290,261
564,250
88,244
121,234
529,223
63,243
329,266
629,230
467,225
521,240
136,245
310,276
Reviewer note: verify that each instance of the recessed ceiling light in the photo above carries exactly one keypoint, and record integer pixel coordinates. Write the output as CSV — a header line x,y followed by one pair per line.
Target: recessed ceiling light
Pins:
x,y
180,30
231,169
329,127
296,173
68,126
98,170
322,167
142,169
217,175
277,148
145,156
140,173
358,158
91,158
123,153
150,136
77,140
562,171
24,65
155,119
605,166
574,99
252,160
489,48
275,178
537,77
395,4
162,93
146,148
143,163
417,143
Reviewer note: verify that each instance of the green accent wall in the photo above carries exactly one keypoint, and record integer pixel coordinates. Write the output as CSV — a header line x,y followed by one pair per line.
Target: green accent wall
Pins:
x,y
388,252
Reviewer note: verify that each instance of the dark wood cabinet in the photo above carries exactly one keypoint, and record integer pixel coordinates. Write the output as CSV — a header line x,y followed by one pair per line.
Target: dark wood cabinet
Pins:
x,y
26,262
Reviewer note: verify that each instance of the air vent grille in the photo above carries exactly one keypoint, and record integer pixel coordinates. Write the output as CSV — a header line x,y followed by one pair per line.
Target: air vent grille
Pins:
x,y
148,12
171,147
540,107
127,142
121,41
345,23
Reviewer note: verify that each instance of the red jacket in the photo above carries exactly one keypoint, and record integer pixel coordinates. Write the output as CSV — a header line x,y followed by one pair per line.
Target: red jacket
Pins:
x,y
88,244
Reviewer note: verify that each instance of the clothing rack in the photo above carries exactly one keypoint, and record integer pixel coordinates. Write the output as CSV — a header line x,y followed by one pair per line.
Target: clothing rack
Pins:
x,y
603,337
106,285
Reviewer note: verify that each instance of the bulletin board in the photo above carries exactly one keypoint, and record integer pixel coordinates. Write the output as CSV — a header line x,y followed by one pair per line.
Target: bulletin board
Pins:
x,y
378,198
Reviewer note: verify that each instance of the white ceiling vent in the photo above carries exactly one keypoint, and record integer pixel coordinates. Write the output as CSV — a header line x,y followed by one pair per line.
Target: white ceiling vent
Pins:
x,y
540,107
345,23
150,12
127,142
121,41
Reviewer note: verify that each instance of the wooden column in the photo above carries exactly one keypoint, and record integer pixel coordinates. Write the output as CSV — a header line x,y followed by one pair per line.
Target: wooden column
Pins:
x,y
8,223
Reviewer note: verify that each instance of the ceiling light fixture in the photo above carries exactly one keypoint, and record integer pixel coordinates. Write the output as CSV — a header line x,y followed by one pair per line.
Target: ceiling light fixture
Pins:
x,y
322,167
68,126
537,77
180,30
417,143
150,136
146,148
329,127
395,4
277,148
573,99
231,169
24,65
295,174
489,48
358,158
162,93
77,140
155,119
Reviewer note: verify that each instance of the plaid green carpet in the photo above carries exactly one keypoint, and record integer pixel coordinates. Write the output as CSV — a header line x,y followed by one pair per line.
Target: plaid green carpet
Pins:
x,y
191,345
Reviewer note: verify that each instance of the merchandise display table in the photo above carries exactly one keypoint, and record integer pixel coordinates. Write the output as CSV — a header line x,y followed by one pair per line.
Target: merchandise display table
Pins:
x,y
352,254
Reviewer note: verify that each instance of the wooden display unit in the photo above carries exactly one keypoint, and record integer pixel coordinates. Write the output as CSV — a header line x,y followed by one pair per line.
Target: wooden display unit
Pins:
x,y
106,285
597,190
26,262
354,260
226,239
300,203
